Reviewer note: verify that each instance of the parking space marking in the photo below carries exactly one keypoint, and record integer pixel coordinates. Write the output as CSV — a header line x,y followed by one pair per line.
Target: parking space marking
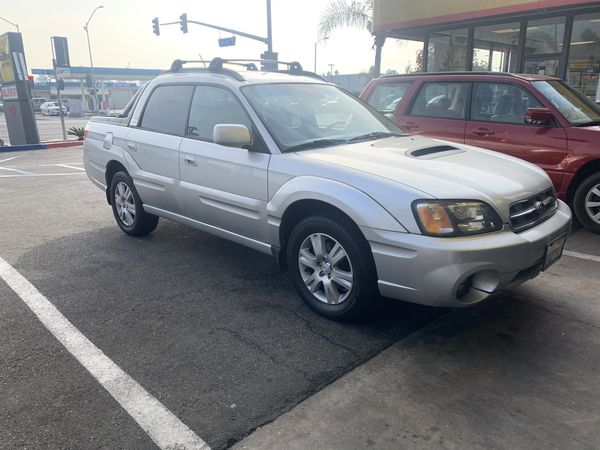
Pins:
x,y
11,158
69,166
42,174
22,172
582,256
163,427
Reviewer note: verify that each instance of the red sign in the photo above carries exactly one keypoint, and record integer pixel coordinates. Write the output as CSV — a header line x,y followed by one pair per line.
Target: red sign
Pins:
x,y
9,93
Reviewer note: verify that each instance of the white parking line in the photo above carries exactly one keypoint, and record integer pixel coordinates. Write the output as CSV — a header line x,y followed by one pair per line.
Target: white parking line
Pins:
x,y
42,174
70,167
22,172
582,256
11,158
163,427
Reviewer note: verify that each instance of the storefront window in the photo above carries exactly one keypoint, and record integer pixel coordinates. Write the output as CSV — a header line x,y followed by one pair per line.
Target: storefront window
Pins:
x,y
584,56
447,51
496,48
542,67
545,36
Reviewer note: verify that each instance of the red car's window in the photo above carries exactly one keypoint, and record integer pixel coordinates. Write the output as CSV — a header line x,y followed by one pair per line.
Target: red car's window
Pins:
x,y
501,102
385,97
442,100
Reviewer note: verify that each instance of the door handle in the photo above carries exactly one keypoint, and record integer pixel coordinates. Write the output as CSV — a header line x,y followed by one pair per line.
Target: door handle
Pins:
x,y
131,146
483,132
190,161
409,125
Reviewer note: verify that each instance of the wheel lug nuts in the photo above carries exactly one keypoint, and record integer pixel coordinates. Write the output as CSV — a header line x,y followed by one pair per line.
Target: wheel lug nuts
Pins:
x,y
321,274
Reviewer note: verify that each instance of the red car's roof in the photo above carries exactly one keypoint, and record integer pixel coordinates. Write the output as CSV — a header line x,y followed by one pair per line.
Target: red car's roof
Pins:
x,y
523,76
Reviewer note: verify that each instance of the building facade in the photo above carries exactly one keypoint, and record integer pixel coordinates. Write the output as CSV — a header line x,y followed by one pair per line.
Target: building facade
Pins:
x,y
553,37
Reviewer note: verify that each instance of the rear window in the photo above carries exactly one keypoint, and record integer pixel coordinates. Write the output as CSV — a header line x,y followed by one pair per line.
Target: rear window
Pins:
x,y
166,110
385,97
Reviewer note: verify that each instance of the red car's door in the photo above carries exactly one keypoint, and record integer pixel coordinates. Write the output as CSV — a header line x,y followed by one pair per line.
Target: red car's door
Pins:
x,y
438,110
498,123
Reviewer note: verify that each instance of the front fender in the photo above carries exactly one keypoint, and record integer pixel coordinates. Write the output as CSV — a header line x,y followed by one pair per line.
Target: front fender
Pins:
x,y
360,207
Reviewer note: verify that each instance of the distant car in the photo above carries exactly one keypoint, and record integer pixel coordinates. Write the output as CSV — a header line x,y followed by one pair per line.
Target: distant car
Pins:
x,y
534,117
37,102
52,109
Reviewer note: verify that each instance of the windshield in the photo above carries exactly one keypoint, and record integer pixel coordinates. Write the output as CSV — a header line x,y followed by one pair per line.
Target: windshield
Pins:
x,y
574,106
302,116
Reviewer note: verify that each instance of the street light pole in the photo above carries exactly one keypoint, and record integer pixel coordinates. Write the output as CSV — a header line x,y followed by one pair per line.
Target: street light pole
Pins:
x,y
269,30
86,28
13,24
316,43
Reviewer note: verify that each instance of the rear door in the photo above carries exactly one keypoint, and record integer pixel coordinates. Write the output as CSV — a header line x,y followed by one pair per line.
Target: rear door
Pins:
x,y
438,110
498,123
154,146
224,187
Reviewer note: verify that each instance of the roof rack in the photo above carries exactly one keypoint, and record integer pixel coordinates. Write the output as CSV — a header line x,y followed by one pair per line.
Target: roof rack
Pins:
x,y
423,74
216,66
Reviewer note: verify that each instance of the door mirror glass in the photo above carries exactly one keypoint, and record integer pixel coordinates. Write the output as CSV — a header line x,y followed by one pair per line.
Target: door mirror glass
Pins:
x,y
538,116
230,135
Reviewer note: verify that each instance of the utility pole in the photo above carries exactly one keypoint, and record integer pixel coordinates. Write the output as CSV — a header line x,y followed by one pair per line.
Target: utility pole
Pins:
x,y
317,43
58,86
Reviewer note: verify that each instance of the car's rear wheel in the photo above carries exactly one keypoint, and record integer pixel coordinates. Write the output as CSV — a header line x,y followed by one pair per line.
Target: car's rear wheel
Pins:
x,y
586,203
332,268
127,207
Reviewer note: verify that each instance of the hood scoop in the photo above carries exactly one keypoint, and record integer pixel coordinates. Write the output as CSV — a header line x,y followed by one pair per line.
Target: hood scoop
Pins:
x,y
436,151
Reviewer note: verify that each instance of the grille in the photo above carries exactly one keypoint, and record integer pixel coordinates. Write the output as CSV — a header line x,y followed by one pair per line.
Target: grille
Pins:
x,y
526,213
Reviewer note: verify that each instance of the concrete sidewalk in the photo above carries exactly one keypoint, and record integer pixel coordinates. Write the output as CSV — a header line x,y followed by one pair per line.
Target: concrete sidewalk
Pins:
x,y
518,372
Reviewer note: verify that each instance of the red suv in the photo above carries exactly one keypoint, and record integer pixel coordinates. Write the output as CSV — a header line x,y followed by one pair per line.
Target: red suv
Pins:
x,y
533,117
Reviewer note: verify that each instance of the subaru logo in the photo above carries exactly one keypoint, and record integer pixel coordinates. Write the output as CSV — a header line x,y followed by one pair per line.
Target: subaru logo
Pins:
x,y
540,206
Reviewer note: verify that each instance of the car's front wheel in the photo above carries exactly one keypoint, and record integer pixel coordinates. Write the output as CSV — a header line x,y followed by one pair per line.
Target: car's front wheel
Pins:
x,y
586,203
332,268
128,209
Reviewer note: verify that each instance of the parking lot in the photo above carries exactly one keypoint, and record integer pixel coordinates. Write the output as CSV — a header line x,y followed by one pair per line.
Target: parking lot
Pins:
x,y
218,337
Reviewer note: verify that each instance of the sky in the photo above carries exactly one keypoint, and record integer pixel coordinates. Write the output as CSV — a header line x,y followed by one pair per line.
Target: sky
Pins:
x,y
121,33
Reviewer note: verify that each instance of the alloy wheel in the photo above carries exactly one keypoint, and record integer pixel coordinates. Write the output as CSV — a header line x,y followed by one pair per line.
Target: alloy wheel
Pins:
x,y
325,268
125,204
592,203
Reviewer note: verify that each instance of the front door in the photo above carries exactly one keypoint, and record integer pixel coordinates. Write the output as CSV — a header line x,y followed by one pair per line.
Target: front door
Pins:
x,y
224,187
498,123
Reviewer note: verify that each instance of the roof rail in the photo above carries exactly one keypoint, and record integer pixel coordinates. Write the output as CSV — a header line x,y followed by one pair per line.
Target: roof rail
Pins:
x,y
216,66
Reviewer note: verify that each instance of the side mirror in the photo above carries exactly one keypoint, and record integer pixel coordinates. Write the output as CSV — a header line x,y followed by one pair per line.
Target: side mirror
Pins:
x,y
231,135
538,116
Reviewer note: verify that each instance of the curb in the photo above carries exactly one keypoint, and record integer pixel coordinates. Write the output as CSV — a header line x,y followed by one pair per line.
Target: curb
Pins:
x,y
19,148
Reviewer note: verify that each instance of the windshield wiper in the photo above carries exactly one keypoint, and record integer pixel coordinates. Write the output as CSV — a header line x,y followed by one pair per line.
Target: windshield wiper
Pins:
x,y
591,123
374,135
318,143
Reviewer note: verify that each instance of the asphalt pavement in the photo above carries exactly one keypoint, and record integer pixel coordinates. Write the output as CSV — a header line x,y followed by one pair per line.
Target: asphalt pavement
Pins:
x,y
49,127
217,335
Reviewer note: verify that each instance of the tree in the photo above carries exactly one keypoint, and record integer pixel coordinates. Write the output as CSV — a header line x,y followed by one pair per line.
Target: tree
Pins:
x,y
346,13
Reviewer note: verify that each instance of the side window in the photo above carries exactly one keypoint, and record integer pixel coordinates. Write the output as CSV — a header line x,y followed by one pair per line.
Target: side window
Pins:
x,y
443,100
167,108
211,106
501,102
385,97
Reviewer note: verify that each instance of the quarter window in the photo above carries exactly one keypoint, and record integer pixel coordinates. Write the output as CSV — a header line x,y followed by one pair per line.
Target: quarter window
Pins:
x,y
211,106
385,97
443,100
167,108
501,102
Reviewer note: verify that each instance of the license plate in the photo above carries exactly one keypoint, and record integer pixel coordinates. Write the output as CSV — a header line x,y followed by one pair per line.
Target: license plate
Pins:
x,y
554,251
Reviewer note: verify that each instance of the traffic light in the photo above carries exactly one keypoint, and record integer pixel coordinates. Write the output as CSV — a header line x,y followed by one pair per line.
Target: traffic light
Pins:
x,y
183,22
60,84
155,26
88,81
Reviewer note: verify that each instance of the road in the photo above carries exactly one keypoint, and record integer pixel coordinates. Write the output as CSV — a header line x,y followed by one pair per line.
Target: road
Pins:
x,y
217,337
49,127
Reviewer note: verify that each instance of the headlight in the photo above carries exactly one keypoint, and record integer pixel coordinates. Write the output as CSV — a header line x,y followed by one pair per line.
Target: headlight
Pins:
x,y
455,217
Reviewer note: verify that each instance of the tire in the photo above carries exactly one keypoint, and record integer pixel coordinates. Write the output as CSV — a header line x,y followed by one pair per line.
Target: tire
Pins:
x,y
344,290
127,207
586,203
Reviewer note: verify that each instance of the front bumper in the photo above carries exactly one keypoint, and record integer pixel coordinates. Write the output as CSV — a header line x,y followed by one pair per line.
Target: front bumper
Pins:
x,y
456,272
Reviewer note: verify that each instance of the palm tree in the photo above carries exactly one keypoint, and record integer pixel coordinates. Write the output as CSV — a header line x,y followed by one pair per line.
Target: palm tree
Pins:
x,y
344,13
351,13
